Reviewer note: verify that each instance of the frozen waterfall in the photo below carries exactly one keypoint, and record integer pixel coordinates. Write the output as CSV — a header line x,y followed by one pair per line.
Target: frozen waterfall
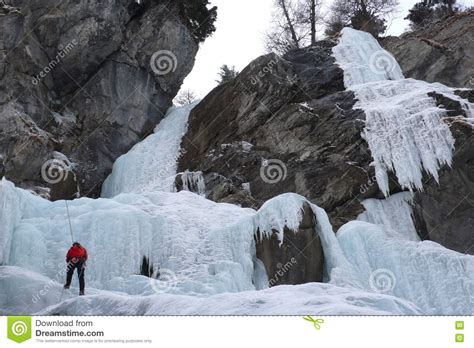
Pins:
x,y
202,255
404,127
151,164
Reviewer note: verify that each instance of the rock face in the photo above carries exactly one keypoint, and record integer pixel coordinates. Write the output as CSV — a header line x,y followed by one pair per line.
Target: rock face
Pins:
x,y
298,259
283,125
442,52
444,212
87,79
288,125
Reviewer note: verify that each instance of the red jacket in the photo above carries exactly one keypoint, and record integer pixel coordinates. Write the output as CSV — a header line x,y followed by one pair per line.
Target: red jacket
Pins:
x,y
76,252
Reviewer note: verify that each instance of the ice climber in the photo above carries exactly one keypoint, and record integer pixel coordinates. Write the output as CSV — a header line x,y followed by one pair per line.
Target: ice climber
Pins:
x,y
76,259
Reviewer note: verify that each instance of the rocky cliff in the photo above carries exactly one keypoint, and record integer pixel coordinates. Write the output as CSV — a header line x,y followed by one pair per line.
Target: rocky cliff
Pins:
x,y
289,125
82,82
441,52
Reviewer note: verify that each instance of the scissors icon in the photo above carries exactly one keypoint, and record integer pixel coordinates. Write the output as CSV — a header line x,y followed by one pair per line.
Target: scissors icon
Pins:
x,y
316,322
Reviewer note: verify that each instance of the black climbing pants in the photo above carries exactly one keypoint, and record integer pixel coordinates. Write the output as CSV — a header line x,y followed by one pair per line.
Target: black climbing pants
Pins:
x,y
80,266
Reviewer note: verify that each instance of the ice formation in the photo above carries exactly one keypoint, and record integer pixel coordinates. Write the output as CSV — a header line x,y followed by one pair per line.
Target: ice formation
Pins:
x,y
364,60
393,213
436,279
203,253
151,164
404,127
193,240
194,182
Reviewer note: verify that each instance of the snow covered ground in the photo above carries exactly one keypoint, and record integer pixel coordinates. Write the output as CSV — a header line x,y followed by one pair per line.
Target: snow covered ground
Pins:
x,y
203,253
324,299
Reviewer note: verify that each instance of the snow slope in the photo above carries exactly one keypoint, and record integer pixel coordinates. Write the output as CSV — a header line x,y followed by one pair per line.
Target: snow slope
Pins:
x,y
404,127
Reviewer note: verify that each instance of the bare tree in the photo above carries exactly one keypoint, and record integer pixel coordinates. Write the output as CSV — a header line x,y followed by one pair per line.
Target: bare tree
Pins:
x,y
295,24
185,97
313,17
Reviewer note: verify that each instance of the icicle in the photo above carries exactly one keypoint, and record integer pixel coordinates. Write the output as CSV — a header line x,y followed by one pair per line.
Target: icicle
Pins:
x,y
194,182
404,128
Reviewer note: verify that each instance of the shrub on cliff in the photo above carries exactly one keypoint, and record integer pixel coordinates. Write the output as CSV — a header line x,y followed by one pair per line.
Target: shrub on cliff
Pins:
x,y
199,17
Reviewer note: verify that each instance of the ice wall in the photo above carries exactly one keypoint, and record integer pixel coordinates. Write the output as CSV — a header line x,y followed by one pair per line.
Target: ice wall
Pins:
x,y
195,241
436,279
393,213
204,247
151,164
199,248
10,215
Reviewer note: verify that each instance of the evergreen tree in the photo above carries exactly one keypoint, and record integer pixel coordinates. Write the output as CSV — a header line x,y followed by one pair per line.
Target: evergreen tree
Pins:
x,y
199,17
226,74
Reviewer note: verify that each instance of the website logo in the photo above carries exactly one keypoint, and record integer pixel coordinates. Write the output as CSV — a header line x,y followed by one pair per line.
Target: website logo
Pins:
x,y
19,329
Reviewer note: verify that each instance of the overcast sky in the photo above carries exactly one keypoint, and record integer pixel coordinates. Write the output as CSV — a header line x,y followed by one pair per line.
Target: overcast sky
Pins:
x,y
239,38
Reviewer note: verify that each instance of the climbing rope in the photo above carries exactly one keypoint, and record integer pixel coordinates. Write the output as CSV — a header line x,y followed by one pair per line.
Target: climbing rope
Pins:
x,y
72,241
69,219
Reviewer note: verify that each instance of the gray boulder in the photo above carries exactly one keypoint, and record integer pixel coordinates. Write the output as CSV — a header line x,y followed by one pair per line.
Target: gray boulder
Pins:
x,y
298,259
